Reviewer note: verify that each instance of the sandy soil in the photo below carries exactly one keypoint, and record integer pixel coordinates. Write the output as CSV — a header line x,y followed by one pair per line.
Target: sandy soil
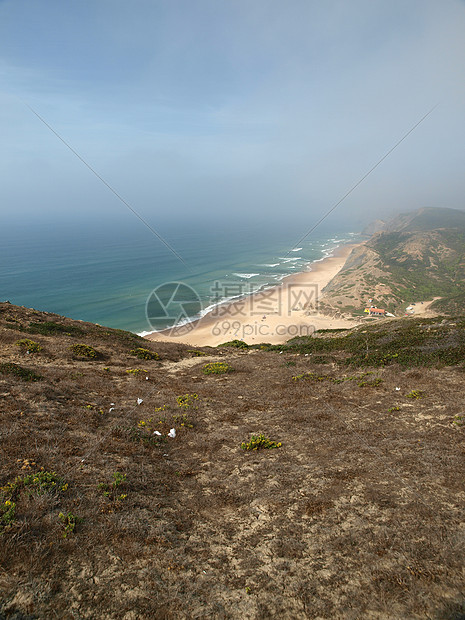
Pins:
x,y
422,308
274,316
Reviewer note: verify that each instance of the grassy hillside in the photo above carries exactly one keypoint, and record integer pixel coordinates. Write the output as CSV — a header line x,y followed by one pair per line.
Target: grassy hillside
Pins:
x,y
423,265
427,219
352,505
454,304
408,263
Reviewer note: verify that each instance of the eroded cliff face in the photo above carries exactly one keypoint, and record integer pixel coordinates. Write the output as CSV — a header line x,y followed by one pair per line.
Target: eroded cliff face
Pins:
x,y
363,277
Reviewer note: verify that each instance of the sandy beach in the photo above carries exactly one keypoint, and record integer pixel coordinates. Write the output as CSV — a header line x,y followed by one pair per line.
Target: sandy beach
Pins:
x,y
275,315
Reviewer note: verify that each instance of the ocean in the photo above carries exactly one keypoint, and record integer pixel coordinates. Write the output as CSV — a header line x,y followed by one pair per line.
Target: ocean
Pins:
x,y
106,273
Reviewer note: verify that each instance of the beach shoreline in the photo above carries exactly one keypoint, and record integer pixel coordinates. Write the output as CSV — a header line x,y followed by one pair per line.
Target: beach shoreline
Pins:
x,y
273,315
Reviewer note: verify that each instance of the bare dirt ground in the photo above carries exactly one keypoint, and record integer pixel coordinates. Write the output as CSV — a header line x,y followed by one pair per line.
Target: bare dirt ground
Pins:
x,y
422,308
358,514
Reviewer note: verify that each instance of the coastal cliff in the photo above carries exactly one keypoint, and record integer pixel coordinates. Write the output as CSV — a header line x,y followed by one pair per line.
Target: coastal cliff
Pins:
x,y
418,256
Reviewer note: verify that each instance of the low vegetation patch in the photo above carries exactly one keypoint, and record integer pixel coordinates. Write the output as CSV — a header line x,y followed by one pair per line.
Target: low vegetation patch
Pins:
x,y
136,372
322,359
361,381
50,328
112,490
182,420
94,407
145,354
237,344
7,514
188,401
197,353
31,486
10,368
69,521
217,368
159,425
260,442
415,394
28,346
122,336
370,383
43,482
84,351
139,434
417,342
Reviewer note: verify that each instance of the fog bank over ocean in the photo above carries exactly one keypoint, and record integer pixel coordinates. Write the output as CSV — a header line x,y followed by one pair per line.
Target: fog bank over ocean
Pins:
x,y
244,108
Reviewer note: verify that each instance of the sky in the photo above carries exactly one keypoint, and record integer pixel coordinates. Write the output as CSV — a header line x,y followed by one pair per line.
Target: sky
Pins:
x,y
250,110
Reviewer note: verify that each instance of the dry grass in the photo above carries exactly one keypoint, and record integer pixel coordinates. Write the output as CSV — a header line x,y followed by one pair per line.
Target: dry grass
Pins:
x,y
358,515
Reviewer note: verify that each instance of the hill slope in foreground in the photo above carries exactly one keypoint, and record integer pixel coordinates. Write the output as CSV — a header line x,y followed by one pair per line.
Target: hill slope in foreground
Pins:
x,y
418,256
356,513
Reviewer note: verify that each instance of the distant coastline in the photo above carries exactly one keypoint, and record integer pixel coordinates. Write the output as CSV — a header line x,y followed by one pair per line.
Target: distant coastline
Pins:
x,y
108,279
292,309
329,248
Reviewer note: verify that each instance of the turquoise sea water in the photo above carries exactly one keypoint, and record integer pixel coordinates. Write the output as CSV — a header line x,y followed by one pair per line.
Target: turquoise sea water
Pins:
x,y
106,273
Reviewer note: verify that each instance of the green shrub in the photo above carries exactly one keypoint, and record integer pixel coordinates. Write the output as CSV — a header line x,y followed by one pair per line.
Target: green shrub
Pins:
x,y
145,354
29,345
85,351
238,344
112,490
414,394
123,336
136,371
217,368
187,401
49,328
7,514
33,484
183,420
196,353
69,521
9,368
311,376
43,482
259,442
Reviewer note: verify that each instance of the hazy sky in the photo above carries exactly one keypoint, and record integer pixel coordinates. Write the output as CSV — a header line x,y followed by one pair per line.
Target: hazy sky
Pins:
x,y
248,107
